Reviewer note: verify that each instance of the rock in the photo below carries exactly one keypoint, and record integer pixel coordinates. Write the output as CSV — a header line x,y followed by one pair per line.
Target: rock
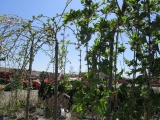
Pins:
x,y
5,117
68,116
20,115
40,112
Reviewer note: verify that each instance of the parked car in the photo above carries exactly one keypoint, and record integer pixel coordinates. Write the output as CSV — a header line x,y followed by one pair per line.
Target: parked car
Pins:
x,y
35,83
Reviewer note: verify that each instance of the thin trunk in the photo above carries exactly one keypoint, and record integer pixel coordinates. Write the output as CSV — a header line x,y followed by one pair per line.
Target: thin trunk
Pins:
x,y
111,60
99,55
111,65
150,63
65,60
80,62
115,67
110,75
87,58
56,81
29,79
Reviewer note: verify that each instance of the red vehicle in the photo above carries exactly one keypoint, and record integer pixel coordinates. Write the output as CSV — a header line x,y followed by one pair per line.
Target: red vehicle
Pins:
x,y
51,80
35,83
48,80
6,75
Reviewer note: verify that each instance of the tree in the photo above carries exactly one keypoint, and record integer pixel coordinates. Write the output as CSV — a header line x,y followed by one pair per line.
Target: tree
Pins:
x,y
138,20
133,18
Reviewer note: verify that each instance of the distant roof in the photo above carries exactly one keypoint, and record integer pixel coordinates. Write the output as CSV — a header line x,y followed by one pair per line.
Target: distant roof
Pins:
x,y
3,69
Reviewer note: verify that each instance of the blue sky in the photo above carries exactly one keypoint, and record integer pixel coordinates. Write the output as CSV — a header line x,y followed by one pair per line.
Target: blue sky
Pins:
x,y
27,8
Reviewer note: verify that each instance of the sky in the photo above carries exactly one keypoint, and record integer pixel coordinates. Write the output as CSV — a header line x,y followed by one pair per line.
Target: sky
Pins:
x,y
27,8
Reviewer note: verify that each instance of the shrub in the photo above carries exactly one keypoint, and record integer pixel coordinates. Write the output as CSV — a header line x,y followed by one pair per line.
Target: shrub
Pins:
x,y
16,84
3,81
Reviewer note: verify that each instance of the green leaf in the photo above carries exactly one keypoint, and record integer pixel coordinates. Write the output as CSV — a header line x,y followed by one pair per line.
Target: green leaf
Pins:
x,y
82,1
79,108
140,79
120,73
157,41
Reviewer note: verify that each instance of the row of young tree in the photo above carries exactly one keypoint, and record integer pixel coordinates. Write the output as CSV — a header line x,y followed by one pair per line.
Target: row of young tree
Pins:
x,y
137,20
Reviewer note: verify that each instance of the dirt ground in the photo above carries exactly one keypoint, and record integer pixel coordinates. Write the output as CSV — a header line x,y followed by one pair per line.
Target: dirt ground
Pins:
x,y
2,86
8,98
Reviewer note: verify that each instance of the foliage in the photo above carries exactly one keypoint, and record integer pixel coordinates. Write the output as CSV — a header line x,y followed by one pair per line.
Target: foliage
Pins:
x,y
3,81
16,84
93,28
136,19
46,90
43,75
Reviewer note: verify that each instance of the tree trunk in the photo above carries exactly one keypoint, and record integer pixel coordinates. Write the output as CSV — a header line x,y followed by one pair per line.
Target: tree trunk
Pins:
x,y
150,64
111,72
29,79
56,81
